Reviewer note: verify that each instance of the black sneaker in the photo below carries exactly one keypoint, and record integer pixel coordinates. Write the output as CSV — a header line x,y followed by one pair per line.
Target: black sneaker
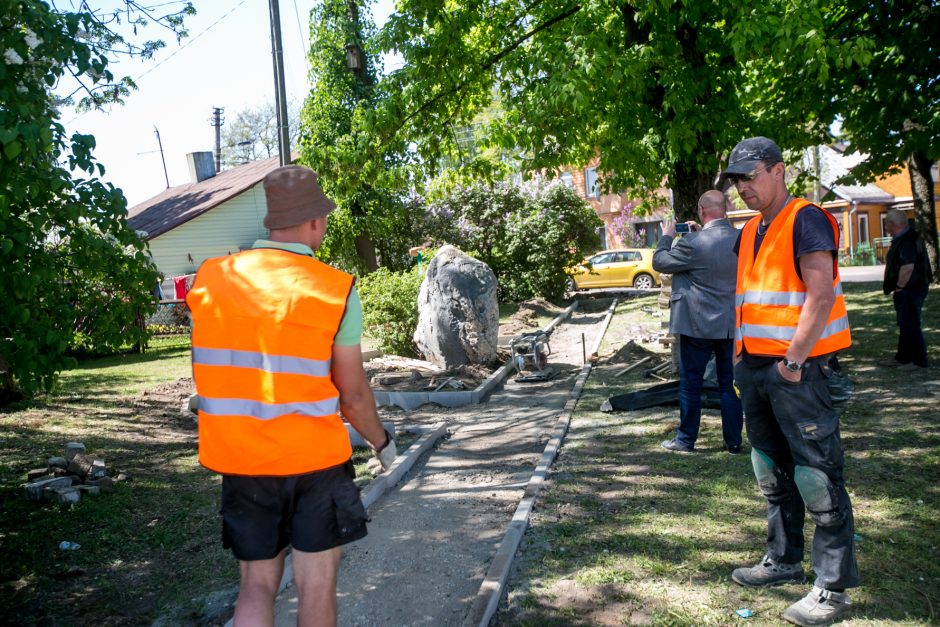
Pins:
x,y
676,445
733,449
819,607
768,572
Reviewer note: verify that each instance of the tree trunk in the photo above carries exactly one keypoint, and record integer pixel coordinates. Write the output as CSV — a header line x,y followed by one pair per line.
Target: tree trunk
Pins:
x,y
365,248
925,214
687,187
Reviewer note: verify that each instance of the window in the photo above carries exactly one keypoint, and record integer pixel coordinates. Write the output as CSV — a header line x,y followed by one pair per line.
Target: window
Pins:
x,y
863,228
567,180
649,233
632,255
590,183
605,258
602,236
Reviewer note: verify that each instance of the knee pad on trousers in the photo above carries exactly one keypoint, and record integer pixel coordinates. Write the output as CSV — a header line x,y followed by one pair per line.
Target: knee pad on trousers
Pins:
x,y
817,493
766,472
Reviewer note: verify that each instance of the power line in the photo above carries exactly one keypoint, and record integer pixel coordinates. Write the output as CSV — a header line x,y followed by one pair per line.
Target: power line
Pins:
x,y
189,42
303,42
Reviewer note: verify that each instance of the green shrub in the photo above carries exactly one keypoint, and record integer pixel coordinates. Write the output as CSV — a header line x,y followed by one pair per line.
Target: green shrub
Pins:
x,y
390,309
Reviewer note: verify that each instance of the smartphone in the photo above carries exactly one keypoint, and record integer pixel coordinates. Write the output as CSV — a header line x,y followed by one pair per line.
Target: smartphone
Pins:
x,y
683,227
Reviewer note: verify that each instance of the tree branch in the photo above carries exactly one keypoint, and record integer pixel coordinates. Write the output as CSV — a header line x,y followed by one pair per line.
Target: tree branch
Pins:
x,y
493,60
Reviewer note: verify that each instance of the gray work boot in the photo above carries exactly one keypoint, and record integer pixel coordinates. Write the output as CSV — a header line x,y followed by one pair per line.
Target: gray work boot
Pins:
x,y
819,607
769,573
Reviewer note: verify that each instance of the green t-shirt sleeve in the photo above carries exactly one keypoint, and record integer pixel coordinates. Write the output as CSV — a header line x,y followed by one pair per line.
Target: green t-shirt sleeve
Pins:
x,y
350,327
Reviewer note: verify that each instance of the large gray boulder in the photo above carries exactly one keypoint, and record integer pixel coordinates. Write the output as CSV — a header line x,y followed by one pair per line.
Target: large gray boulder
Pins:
x,y
458,315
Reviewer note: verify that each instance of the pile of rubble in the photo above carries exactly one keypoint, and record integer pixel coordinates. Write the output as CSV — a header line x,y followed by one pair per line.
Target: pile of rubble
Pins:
x,y
65,479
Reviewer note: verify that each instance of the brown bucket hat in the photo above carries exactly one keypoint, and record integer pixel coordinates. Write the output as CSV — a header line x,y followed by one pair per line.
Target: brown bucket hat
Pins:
x,y
294,196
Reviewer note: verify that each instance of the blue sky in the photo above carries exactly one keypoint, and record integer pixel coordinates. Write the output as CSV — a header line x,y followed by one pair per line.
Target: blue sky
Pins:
x,y
225,62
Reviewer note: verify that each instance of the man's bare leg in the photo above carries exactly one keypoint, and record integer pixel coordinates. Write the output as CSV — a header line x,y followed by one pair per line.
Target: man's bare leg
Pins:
x,y
257,591
315,578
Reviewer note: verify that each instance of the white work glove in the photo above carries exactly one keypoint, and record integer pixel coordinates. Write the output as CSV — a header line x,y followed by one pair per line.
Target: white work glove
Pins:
x,y
388,453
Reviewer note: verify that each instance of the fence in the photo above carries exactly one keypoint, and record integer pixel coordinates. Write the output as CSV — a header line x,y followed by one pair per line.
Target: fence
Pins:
x,y
170,325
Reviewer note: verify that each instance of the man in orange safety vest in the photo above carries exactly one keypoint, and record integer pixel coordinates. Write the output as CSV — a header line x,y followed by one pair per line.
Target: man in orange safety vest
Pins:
x,y
276,360
790,318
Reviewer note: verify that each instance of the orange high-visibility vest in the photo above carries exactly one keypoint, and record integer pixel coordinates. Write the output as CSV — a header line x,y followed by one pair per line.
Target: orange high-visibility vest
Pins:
x,y
263,327
770,294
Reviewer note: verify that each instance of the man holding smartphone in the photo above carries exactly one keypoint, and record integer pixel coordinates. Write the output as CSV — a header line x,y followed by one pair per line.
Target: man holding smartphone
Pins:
x,y
702,316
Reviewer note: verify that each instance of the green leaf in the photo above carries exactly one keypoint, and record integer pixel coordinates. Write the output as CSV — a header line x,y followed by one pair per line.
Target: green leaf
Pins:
x,y
12,149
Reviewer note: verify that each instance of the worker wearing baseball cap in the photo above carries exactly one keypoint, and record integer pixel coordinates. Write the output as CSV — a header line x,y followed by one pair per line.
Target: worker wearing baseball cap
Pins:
x,y
790,319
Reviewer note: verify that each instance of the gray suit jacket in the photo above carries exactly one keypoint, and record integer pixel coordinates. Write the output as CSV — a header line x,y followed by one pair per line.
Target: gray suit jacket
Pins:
x,y
704,272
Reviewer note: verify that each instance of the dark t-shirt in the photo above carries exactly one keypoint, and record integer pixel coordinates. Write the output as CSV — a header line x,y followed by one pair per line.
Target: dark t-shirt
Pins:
x,y
812,232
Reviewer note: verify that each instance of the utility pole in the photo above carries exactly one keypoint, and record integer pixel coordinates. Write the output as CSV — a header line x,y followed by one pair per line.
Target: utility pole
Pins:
x,y
162,158
217,122
280,93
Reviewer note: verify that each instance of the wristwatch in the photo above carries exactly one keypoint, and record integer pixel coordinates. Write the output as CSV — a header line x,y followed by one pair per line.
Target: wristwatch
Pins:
x,y
792,366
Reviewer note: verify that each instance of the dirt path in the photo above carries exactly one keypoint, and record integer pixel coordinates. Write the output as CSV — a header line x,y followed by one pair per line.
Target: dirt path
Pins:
x,y
432,538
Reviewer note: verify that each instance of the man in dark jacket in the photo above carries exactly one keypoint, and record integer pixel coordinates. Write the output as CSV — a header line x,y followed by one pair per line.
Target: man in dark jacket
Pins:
x,y
907,277
703,265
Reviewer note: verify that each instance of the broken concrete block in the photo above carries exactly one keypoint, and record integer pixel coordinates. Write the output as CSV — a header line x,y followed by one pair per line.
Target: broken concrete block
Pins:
x,y
63,496
72,449
98,469
35,489
92,490
105,484
57,462
38,473
80,465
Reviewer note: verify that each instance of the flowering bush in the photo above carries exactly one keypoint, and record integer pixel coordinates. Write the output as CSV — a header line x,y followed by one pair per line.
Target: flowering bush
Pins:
x,y
625,230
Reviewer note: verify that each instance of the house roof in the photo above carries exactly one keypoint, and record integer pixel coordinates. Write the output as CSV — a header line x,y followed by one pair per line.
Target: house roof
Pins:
x,y
176,205
833,165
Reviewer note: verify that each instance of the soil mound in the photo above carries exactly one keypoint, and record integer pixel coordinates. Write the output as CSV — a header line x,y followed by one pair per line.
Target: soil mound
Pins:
x,y
527,316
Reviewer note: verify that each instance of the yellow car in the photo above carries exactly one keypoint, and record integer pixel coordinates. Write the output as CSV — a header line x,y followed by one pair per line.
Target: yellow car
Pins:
x,y
627,267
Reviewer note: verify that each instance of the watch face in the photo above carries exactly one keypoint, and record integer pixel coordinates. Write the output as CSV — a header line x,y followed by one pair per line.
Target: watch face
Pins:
x,y
792,366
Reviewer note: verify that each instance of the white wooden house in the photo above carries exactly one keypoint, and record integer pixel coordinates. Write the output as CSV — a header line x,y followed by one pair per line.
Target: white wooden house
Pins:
x,y
215,215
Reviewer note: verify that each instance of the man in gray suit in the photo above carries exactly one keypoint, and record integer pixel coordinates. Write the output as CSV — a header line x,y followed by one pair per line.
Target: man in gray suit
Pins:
x,y
704,269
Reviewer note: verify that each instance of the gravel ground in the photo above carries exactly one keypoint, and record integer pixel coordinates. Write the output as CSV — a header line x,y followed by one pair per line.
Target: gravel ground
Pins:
x,y
431,539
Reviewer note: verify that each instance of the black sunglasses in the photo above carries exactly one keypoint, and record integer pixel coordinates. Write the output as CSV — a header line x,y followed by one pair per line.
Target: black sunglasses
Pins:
x,y
738,178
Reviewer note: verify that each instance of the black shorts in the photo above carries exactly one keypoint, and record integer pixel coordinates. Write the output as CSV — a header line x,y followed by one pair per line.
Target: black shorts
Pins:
x,y
313,512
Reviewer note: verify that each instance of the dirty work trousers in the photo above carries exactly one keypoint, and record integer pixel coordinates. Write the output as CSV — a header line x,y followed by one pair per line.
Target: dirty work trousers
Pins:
x,y
795,425
694,355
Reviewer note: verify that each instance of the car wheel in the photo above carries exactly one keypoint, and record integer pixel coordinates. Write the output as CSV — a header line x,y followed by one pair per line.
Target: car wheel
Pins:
x,y
643,282
570,286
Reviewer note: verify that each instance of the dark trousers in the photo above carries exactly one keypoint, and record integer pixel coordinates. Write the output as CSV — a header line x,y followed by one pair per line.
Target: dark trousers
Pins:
x,y
911,345
795,425
694,355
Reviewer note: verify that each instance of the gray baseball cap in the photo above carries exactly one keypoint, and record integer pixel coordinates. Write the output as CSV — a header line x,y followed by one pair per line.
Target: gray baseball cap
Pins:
x,y
747,156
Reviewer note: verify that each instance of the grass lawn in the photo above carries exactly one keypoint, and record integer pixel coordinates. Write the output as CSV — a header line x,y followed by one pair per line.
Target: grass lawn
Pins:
x,y
628,533
150,546
149,549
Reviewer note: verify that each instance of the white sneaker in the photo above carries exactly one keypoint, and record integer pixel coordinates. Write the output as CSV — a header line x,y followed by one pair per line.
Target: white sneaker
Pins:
x,y
819,607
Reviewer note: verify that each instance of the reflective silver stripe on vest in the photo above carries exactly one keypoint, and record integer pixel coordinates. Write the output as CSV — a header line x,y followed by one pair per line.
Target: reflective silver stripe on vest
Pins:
x,y
785,299
281,364
266,411
771,332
